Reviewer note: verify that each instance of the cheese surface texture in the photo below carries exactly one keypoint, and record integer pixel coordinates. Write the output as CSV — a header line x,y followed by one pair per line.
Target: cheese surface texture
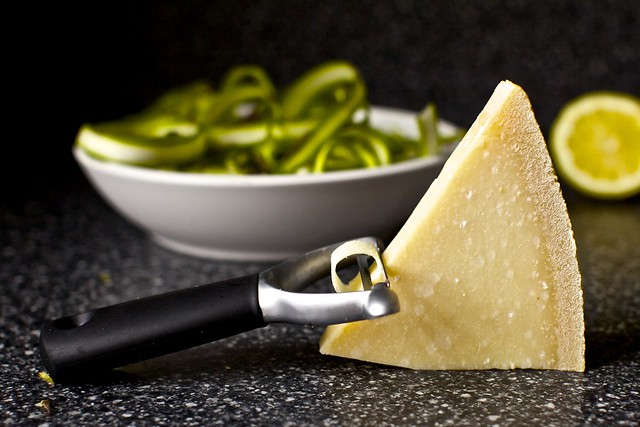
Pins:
x,y
485,267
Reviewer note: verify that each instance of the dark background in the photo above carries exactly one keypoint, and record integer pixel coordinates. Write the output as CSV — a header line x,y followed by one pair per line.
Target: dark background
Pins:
x,y
96,61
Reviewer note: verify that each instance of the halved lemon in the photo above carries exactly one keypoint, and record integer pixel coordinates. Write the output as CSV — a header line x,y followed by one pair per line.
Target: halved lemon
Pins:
x,y
595,144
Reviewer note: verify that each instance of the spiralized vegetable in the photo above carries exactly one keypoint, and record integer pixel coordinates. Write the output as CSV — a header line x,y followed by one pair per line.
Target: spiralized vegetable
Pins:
x,y
319,123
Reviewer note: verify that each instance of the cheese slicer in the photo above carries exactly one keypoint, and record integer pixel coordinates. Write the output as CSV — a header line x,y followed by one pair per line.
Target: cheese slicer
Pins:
x,y
91,343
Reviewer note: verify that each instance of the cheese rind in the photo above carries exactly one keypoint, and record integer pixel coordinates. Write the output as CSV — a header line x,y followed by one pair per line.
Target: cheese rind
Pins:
x,y
485,267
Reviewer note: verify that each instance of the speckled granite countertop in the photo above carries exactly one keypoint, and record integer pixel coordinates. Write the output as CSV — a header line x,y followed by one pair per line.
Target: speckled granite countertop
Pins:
x,y
66,252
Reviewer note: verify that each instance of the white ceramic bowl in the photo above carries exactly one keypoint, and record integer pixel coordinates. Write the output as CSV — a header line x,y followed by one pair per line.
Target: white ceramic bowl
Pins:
x,y
267,217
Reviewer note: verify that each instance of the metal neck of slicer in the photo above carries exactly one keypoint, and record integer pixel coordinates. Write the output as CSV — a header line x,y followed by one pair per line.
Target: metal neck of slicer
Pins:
x,y
281,300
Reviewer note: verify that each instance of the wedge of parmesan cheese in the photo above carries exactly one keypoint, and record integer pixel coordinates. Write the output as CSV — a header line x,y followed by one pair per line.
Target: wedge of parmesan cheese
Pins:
x,y
485,267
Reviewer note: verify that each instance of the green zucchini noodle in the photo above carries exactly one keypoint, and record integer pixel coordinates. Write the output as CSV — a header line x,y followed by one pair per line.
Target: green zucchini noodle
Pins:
x,y
319,123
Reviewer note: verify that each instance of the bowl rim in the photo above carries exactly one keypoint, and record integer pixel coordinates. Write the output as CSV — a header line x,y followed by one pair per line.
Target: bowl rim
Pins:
x,y
141,173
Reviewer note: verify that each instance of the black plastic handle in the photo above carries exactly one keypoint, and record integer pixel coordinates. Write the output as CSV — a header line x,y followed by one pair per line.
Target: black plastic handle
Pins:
x,y
88,344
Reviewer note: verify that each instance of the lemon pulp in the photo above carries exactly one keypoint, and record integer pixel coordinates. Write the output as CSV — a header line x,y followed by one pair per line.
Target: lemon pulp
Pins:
x,y
595,144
